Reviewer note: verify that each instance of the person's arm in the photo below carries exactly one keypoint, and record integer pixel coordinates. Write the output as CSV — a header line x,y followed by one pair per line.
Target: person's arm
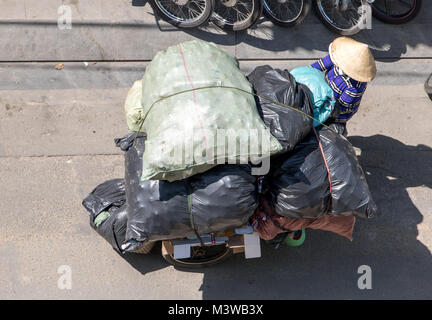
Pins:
x,y
323,64
349,102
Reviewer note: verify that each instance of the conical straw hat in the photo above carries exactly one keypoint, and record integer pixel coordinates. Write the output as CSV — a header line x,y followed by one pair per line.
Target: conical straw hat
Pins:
x,y
354,58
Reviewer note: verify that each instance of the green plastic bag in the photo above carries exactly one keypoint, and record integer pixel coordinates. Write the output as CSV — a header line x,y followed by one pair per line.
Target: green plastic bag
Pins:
x,y
191,132
133,106
322,94
101,217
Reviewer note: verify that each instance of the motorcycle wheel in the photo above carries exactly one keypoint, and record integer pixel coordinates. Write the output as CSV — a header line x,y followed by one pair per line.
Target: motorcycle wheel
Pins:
x,y
428,86
185,14
396,11
201,257
286,13
344,17
236,15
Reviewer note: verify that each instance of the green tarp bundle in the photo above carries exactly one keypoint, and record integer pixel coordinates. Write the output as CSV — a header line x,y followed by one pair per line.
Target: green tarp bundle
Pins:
x,y
191,132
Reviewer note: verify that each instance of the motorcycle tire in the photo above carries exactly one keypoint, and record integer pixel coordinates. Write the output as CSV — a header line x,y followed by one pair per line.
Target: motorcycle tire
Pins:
x,y
383,14
428,86
320,7
273,11
223,8
184,14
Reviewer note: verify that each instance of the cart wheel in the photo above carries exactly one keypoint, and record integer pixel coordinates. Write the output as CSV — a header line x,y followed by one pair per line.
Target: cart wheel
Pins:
x,y
200,256
296,239
145,248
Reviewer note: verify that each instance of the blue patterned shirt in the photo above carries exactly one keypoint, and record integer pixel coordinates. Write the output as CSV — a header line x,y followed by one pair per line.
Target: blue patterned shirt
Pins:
x,y
347,91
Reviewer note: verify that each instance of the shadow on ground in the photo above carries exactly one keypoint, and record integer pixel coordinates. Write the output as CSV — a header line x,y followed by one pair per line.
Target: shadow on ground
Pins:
x,y
265,40
146,263
326,266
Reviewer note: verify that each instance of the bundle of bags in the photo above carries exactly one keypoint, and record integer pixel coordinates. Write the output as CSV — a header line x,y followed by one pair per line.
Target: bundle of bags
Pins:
x,y
201,132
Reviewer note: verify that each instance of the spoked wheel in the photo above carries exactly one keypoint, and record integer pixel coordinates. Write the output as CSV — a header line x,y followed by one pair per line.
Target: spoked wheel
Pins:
x,y
396,11
346,17
201,257
184,13
236,15
286,13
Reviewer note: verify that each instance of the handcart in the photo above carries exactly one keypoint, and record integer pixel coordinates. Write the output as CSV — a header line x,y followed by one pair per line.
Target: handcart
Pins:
x,y
212,249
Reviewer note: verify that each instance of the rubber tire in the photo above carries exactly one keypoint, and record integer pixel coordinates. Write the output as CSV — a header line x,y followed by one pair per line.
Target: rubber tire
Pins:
x,y
145,248
185,25
256,14
345,32
428,86
187,265
299,20
387,19
296,243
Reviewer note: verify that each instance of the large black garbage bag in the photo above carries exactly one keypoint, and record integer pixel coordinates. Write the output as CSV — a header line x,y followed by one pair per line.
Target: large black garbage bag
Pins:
x,y
221,198
320,177
107,194
350,194
287,125
298,181
109,199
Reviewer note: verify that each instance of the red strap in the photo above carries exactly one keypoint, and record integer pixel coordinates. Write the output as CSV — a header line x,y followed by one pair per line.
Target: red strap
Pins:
x,y
187,72
194,95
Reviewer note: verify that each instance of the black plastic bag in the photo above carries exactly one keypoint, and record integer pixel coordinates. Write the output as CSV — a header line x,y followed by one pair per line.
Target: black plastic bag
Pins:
x,y
350,194
124,143
287,125
339,128
110,197
221,198
298,181
299,184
